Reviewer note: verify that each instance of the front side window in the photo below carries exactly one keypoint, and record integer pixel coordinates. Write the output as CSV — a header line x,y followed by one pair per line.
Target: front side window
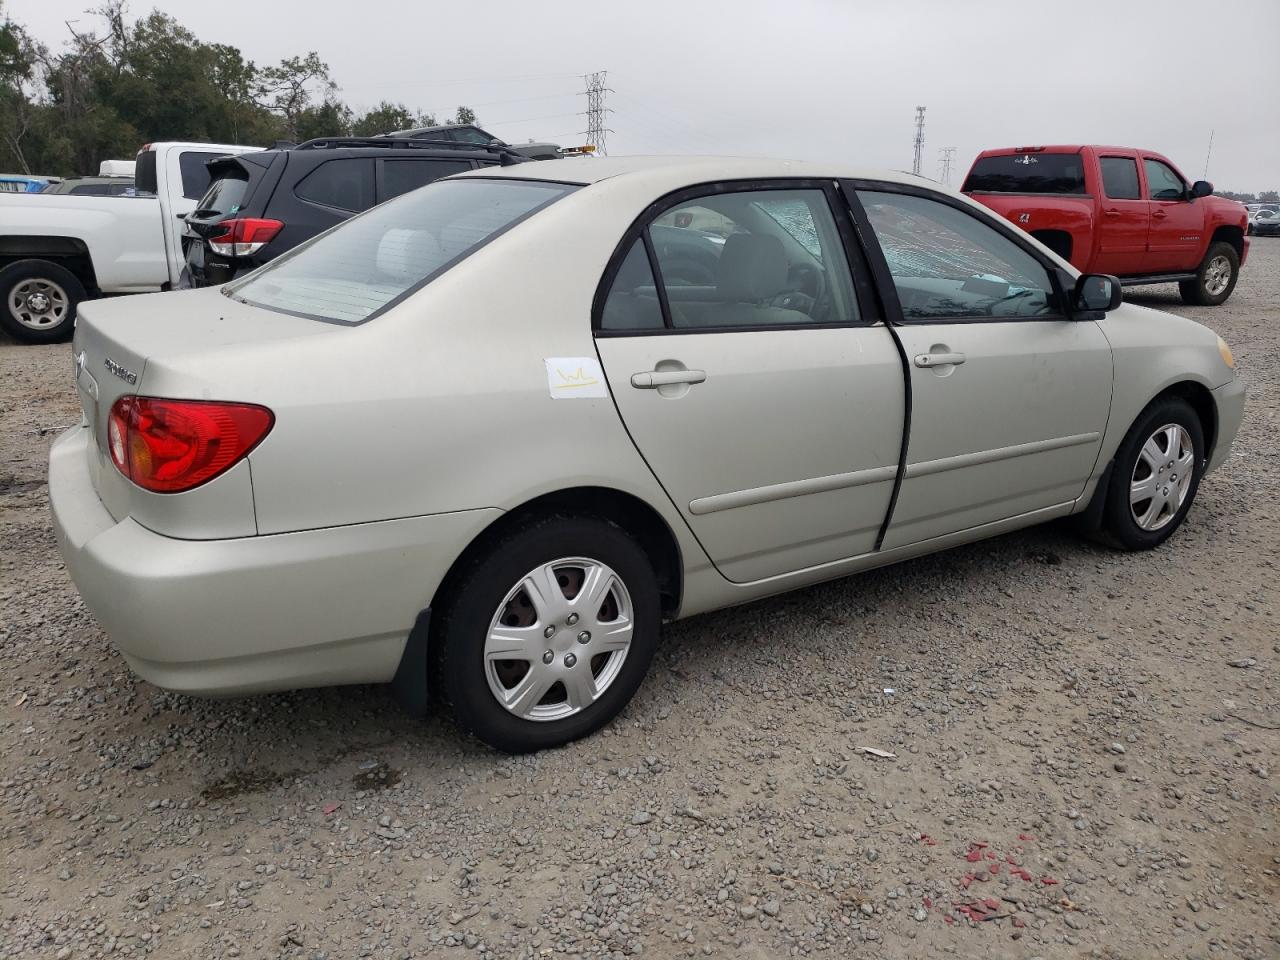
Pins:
x,y
949,265
753,258
1162,182
1120,178
373,260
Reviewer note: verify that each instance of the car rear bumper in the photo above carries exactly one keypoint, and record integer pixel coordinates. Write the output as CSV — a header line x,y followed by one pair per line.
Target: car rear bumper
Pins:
x,y
1229,401
253,614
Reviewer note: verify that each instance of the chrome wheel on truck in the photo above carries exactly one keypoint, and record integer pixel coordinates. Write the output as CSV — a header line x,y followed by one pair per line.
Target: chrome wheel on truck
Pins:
x,y
1215,278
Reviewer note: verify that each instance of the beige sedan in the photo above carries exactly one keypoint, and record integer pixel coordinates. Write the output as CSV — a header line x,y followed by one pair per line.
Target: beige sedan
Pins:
x,y
481,441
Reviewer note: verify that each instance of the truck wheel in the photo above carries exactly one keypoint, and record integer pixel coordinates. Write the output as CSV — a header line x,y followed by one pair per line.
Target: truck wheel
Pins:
x,y
1215,279
40,301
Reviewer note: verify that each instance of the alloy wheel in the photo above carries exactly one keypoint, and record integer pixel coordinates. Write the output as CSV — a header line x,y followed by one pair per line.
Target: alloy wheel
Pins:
x,y
1217,275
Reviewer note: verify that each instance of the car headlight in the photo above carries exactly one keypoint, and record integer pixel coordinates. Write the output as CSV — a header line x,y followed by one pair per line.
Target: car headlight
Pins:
x,y
1227,358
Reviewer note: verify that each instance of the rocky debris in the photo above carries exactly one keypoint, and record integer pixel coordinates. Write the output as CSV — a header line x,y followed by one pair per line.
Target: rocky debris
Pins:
x,y
1075,772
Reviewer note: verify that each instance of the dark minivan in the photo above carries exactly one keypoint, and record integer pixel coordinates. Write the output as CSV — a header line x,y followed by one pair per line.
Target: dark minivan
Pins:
x,y
260,205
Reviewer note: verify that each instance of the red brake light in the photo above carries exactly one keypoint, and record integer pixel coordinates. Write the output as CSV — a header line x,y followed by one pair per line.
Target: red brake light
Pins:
x,y
168,446
244,236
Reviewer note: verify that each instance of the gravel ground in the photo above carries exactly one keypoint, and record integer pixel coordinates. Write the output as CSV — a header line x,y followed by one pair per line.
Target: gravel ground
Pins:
x,y
1086,758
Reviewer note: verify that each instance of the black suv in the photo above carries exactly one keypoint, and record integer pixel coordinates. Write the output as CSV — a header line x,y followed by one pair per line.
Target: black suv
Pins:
x,y
261,204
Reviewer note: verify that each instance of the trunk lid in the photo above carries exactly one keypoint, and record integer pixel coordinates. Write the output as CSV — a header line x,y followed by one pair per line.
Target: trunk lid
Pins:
x,y
118,342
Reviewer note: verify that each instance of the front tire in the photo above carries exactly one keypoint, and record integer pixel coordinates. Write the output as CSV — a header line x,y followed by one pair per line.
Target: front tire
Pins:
x,y
1215,278
39,301
547,635
1156,475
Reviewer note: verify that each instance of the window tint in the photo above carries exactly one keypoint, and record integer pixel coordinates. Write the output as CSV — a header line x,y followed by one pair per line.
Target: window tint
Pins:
x,y
225,195
471,135
632,303
353,271
1163,183
401,176
1120,178
91,190
195,175
1027,173
344,183
761,258
948,264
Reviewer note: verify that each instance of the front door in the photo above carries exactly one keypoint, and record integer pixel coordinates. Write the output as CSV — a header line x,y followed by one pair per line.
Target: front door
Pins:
x,y
1009,400
766,398
1177,221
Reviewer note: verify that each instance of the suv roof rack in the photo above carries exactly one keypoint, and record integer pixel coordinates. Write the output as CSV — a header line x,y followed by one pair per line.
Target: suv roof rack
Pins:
x,y
506,156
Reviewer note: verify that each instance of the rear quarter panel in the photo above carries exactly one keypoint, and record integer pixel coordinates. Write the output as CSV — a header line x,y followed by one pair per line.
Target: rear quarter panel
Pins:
x,y
1032,212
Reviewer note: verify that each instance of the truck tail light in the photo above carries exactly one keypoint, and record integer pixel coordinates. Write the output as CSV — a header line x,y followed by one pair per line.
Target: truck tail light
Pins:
x,y
244,236
168,446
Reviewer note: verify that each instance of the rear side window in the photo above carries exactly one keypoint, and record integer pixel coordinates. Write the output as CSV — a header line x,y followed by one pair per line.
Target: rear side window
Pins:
x,y
1027,173
346,184
195,175
372,261
1120,178
632,303
401,176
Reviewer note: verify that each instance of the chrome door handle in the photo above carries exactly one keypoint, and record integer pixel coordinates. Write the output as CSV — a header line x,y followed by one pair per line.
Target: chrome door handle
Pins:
x,y
939,359
652,379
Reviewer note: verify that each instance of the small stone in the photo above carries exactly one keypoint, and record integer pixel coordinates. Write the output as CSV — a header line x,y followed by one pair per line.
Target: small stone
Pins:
x,y
641,817
1243,663
921,914
746,912
771,907
1116,748
867,908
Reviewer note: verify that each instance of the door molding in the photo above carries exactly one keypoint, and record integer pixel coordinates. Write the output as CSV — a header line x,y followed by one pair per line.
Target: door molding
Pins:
x,y
792,488
927,468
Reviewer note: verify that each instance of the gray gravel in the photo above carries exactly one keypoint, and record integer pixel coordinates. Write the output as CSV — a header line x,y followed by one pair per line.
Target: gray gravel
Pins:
x,y
1086,758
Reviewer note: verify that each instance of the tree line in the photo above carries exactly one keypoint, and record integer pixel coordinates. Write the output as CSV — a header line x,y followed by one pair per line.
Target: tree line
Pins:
x,y
107,91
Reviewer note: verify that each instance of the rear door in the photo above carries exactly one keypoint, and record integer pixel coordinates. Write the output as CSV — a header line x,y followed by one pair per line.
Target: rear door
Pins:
x,y
1009,399
1126,216
755,376
1177,221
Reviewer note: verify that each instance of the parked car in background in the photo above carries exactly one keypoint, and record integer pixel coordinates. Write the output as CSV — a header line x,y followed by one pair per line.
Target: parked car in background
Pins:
x,y
480,442
471,134
114,179
261,204
1265,222
22,183
1119,211
56,251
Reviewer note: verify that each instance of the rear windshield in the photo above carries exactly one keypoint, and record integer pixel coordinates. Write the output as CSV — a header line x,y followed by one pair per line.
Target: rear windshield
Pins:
x,y
225,194
1027,173
372,261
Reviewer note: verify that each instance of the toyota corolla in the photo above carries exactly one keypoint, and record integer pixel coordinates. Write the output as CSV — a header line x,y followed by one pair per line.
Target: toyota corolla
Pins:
x,y
481,441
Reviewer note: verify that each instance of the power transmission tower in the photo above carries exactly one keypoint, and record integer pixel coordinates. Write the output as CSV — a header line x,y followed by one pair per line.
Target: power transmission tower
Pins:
x,y
947,154
915,164
596,110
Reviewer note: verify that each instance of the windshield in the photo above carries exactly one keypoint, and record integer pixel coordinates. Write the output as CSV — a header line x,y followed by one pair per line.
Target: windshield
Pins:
x,y
376,259
1027,173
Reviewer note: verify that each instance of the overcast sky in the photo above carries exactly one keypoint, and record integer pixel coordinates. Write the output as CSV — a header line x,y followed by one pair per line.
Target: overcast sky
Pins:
x,y
814,79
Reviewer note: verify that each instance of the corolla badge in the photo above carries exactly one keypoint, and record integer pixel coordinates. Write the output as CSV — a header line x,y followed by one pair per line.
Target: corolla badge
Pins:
x,y
125,374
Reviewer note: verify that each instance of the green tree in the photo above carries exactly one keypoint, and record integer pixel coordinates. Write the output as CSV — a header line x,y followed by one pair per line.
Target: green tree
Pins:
x,y
1269,196
291,87
465,115
331,118
388,117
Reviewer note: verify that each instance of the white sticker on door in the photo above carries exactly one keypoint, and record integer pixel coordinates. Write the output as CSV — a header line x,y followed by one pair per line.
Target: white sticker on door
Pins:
x,y
573,378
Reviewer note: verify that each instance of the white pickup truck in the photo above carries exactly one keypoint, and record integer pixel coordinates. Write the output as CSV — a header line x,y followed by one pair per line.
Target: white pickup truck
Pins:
x,y
57,250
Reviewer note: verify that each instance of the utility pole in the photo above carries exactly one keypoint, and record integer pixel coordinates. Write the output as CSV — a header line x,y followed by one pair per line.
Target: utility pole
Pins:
x,y
915,164
1207,154
596,110
946,153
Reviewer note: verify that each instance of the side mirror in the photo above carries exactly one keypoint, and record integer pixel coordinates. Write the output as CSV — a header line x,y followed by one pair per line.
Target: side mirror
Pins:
x,y
1201,188
1095,293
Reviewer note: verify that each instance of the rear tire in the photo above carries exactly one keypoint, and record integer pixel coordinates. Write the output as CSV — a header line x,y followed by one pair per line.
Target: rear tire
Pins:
x,y
573,662
1215,277
39,300
1155,477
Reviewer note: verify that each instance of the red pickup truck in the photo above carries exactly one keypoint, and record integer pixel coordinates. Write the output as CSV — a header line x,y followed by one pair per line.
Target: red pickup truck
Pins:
x,y
1120,211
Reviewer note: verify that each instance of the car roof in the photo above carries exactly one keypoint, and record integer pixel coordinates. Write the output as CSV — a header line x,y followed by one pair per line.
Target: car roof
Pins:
x,y
693,169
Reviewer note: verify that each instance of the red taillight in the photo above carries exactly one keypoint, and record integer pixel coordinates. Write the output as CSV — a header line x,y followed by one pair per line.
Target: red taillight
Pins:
x,y
244,236
168,446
